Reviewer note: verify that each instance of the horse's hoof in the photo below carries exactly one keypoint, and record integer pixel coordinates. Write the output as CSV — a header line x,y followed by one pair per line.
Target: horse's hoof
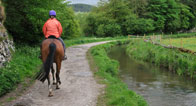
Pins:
x,y
57,87
50,95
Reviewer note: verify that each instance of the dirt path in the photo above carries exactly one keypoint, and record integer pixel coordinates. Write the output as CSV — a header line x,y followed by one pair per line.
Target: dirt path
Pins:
x,y
78,87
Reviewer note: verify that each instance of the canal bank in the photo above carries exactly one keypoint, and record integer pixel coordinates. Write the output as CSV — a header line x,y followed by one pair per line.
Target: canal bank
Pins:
x,y
107,70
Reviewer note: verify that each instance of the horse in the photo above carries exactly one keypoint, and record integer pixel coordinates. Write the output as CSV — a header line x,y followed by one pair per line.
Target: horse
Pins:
x,y
52,51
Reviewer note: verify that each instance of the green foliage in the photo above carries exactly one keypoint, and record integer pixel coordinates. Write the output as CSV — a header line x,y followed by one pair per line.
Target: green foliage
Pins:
x,y
156,10
81,17
138,26
138,6
140,16
117,93
192,5
25,19
108,30
185,16
175,61
169,15
116,18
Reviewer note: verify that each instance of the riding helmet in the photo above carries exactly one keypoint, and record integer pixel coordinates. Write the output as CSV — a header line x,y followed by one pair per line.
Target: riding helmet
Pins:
x,y
52,13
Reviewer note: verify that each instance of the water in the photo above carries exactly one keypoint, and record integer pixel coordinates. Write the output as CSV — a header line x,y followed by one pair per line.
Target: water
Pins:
x,y
158,86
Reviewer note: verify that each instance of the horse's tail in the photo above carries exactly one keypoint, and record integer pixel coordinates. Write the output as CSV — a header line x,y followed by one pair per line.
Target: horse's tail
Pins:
x,y
48,63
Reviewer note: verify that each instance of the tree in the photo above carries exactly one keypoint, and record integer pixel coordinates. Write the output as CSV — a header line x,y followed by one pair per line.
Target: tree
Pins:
x,y
172,16
192,8
185,17
138,6
25,19
156,11
135,25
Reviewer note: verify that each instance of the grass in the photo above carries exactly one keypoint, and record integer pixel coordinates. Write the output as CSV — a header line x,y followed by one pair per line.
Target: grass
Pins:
x,y
188,43
116,92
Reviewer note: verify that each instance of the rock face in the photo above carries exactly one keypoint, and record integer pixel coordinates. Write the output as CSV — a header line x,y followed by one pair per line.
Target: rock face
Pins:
x,y
6,48
6,44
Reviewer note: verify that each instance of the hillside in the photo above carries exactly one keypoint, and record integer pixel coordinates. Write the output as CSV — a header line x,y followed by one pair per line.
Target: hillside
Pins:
x,y
81,7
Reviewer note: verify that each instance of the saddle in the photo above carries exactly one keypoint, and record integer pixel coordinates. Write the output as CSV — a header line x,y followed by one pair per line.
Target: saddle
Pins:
x,y
52,37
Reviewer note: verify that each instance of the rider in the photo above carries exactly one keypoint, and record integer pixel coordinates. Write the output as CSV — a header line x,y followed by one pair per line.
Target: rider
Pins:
x,y
53,27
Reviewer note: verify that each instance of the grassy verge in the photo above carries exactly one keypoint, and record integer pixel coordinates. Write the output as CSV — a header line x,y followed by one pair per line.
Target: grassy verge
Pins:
x,y
116,92
173,60
24,64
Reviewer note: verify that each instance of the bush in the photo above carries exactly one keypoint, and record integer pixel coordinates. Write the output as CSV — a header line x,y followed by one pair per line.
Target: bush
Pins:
x,y
139,25
108,30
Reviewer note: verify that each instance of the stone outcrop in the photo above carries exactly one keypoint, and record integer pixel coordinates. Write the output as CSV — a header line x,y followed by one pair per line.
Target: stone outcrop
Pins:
x,y
6,48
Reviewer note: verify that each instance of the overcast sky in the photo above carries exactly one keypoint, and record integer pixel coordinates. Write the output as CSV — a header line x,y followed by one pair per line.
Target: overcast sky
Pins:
x,y
91,2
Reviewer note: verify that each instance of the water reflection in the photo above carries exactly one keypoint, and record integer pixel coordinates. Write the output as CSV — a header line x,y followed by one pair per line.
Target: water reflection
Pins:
x,y
158,87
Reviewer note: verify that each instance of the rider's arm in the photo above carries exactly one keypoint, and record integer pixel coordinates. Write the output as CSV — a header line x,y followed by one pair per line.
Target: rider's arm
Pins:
x,y
44,29
60,28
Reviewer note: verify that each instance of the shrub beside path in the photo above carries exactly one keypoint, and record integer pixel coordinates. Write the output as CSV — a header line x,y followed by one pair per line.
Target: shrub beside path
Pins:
x,y
78,87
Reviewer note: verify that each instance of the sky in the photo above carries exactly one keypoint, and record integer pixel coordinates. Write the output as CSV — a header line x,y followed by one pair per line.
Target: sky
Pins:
x,y
91,2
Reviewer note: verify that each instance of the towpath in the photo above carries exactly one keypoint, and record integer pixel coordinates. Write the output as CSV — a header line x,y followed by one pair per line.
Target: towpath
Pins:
x,y
78,87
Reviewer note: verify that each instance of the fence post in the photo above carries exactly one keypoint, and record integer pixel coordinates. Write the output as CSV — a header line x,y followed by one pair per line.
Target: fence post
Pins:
x,y
129,36
160,39
144,36
181,43
170,41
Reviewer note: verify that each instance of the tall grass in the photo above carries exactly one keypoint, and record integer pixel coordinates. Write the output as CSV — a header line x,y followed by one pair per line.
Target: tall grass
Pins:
x,y
173,60
116,93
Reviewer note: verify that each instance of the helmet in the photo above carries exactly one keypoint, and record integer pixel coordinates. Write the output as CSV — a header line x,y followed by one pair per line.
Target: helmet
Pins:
x,y
52,13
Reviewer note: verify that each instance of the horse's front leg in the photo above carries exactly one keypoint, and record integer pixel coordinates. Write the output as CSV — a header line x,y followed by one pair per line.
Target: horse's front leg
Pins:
x,y
53,71
49,86
57,75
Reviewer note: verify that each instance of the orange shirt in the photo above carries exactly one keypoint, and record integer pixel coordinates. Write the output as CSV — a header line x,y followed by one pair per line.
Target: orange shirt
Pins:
x,y
52,27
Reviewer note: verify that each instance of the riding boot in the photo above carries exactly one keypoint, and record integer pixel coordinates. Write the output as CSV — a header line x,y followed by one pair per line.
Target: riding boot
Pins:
x,y
65,57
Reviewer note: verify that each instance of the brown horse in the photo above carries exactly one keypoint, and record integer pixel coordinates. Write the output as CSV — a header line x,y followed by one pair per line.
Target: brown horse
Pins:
x,y
51,52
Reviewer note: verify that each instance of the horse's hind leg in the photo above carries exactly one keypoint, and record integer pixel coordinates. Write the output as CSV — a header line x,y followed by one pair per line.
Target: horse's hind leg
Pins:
x,y
49,86
52,68
57,75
